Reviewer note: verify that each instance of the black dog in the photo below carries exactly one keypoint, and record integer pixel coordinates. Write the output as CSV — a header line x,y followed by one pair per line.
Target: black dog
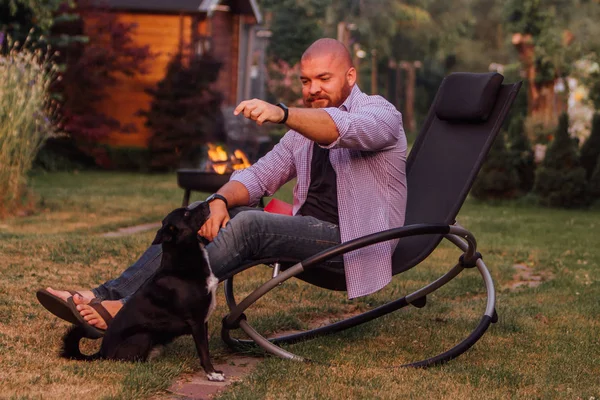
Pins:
x,y
176,300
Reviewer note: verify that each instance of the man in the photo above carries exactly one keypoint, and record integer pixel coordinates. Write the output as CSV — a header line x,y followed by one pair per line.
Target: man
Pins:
x,y
347,151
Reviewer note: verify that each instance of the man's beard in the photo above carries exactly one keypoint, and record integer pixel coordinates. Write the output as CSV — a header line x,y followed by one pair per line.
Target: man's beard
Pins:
x,y
309,102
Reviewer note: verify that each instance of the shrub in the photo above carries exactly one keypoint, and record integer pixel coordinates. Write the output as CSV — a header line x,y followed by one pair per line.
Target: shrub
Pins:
x,y
127,158
185,113
25,119
591,148
60,153
537,132
594,183
498,177
520,153
560,179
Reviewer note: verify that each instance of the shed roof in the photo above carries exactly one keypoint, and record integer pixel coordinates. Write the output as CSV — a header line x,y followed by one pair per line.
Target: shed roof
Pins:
x,y
248,7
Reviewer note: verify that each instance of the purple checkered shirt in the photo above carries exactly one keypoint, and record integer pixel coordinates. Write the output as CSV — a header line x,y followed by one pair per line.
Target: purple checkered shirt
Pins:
x,y
369,160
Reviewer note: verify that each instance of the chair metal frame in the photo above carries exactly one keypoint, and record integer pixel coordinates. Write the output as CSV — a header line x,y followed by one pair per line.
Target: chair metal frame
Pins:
x,y
457,235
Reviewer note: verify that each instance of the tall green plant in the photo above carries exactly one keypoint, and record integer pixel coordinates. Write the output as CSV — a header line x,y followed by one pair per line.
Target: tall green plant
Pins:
x,y
520,153
185,112
498,178
546,24
560,180
295,25
591,148
594,183
25,118
42,11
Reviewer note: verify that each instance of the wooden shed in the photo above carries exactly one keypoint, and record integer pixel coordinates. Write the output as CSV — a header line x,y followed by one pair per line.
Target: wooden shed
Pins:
x,y
226,28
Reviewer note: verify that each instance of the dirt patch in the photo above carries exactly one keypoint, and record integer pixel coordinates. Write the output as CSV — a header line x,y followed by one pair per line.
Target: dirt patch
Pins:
x,y
130,230
197,386
59,222
526,276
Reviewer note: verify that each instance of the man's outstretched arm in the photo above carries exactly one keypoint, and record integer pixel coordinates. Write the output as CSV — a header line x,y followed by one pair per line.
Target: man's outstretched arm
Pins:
x,y
314,124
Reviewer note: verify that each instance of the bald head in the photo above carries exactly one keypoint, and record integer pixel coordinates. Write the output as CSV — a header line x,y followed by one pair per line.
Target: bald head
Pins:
x,y
327,74
329,48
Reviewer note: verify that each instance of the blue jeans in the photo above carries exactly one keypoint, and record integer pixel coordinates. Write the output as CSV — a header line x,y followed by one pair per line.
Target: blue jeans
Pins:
x,y
251,234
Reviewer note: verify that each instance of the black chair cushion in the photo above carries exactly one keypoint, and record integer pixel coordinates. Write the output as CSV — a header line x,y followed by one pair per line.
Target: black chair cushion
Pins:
x,y
468,97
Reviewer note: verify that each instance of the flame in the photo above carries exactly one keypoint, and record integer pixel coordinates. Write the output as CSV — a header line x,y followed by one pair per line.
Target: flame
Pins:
x,y
240,155
216,154
221,163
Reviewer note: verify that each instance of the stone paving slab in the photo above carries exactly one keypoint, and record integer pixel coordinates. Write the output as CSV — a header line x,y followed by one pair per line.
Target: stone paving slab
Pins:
x,y
198,387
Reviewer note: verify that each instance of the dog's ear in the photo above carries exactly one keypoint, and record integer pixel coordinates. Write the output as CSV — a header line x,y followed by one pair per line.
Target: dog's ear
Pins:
x,y
165,234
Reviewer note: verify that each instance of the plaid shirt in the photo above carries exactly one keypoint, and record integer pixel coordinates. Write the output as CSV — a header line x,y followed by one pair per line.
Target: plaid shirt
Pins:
x,y
369,159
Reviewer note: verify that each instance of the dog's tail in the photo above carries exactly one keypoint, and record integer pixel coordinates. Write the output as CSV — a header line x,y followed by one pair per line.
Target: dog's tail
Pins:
x,y
71,349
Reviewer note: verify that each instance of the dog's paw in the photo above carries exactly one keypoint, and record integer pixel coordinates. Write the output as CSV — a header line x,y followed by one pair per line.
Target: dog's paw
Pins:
x,y
216,376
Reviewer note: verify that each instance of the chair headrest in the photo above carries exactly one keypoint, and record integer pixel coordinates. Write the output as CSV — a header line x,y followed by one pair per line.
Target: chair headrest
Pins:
x,y
468,97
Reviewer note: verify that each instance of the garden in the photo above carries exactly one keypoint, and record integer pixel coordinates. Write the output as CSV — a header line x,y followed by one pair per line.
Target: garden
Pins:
x,y
67,194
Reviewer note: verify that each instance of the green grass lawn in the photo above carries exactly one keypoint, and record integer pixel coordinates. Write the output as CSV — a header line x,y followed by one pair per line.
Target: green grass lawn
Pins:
x,y
546,344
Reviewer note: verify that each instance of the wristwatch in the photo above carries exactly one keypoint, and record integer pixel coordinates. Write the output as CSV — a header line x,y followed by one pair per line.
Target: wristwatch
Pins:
x,y
286,112
215,196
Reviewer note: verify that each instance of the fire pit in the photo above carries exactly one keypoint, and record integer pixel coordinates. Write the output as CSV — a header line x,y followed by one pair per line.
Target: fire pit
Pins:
x,y
216,171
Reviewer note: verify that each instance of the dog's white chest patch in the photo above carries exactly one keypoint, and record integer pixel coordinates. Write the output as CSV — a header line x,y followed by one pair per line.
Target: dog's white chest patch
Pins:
x,y
211,283
211,286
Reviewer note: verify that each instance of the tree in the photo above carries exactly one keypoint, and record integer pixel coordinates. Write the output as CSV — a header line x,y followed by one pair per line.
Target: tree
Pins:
x,y
32,21
498,178
591,147
560,179
294,26
462,35
371,26
185,112
42,11
520,153
594,183
374,23
543,43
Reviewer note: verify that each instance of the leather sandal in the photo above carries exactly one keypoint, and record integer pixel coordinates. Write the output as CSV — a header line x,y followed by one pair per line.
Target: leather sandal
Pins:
x,y
56,305
90,331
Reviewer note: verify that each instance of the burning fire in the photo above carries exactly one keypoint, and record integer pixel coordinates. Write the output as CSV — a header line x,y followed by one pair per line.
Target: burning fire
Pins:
x,y
221,162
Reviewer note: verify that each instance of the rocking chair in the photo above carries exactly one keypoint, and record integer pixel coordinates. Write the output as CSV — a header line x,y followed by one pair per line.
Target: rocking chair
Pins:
x,y
467,114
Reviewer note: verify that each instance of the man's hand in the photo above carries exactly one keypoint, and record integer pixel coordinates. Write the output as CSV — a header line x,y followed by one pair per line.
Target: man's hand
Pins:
x,y
217,220
260,111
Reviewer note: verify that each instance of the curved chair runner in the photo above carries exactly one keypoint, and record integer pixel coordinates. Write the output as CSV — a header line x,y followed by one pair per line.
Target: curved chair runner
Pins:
x,y
466,116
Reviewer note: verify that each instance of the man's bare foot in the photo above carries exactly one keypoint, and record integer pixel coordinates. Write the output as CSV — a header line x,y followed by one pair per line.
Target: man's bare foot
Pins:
x,y
91,316
64,295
